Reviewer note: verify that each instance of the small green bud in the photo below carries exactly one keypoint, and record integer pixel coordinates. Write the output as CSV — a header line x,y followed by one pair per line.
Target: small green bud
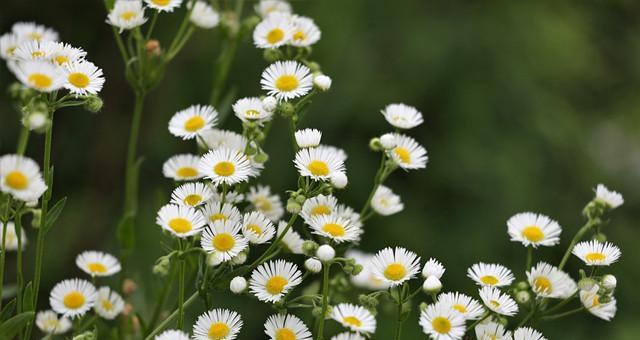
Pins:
x,y
605,299
316,312
93,104
313,66
502,320
287,109
293,207
348,269
250,151
88,335
375,145
261,158
423,306
15,90
309,248
249,23
300,199
272,55
162,266
357,269
522,285
600,237
586,283
37,217
523,297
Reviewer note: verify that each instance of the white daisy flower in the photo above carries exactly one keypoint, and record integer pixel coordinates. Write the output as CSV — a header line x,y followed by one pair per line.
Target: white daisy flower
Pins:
x,y
402,116
441,322
217,324
11,242
251,110
286,327
215,139
308,138
395,266
72,298
172,334
550,282
203,15
365,279
232,197
340,153
346,212
83,77
497,301
126,14
191,194
97,263
181,221
224,238
34,50
261,199
286,80
348,336
591,301
182,167
385,202
407,153
225,166
526,333
40,75
354,317
490,274
8,44
305,32
272,280
433,267
595,253
33,31
335,228
192,121
463,304
49,323
257,228
266,7
291,240
217,211
274,31
163,5
492,331
320,205
318,163
109,304
20,177
534,230
610,198
65,54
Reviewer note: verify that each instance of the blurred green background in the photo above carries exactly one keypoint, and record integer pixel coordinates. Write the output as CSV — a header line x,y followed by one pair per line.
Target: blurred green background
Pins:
x,y
528,105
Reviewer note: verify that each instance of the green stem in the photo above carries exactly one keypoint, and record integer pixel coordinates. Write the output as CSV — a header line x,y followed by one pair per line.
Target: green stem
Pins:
x,y
23,140
560,304
181,268
152,25
475,323
575,240
183,26
325,299
273,245
532,312
529,258
221,70
3,249
378,179
170,318
399,321
172,53
120,43
19,275
561,315
166,289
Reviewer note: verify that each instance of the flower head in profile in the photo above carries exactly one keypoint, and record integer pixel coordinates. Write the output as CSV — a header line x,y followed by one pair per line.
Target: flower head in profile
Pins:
x,y
385,202
263,201
40,75
354,317
257,228
126,14
251,109
610,198
286,326
109,304
267,7
34,50
223,238
597,305
30,31
527,333
9,42
550,282
217,211
21,178
492,331
407,153
318,206
217,324
335,228
348,336
72,298
181,221
64,54
490,274
534,230
203,15
182,167
191,194
11,242
193,121
97,263
441,322
292,241
595,253
395,266
305,32
497,301
308,138
433,267
468,307
365,279
48,322
274,31
225,166
215,139
402,116
163,5
272,280
287,80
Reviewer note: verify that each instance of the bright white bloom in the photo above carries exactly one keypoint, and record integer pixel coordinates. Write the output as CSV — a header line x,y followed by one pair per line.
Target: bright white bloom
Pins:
x,y
11,243
385,202
591,301
232,197
269,103
109,304
34,50
251,110
274,31
272,280
313,265
261,199
348,336
550,282
65,54
388,141
534,230
223,237
172,334
238,285
346,212
432,285
192,121
83,77
492,331
463,304
181,221
595,253
40,75
291,240
318,163
402,116
215,211
526,333
308,138
126,14
339,180
257,228
490,274
365,279
322,82
191,194
340,153
217,324
20,177
72,298
97,263
407,153
163,5
203,15
610,198
215,139
267,7
335,228
433,267
354,317
286,327
182,167
49,323
305,33
497,301
8,44
32,31
325,252
395,266
225,166
441,322
318,206
286,80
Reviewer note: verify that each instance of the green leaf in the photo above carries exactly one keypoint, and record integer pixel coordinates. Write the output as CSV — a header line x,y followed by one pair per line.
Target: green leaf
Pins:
x,y
126,234
54,213
7,310
11,327
27,300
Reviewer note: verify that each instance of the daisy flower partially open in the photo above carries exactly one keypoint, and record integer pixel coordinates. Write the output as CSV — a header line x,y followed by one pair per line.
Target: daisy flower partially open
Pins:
x,y
83,77
215,139
9,42
305,32
318,163
40,75
109,304
526,333
34,32
261,199
594,253
492,331
232,197
34,50
354,317
433,267
97,263
251,110
217,324
274,31
402,116
192,121
224,238
203,15
291,240
497,301
550,282
490,274
225,166
172,334
591,301
441,322
163,5
65,54
318,206
308,138
385,202
11,242
610,198
72,298
534,230
395,266
257,228
348,336
335,228
272,280
266,7
365,279
217,211
182,167
286,80
20,177
181,221
191,194
286,327
468,307
49,323
407,153
126,14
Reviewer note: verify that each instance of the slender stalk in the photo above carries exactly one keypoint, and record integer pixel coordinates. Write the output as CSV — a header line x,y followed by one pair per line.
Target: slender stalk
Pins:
x,y
3,249
273,245
152,25
529,258
171,317
532,312
183,26
561,315
120,43
575,240
19,276
325,299
560,304
181,269
475,323
166,289
399,321
221,71
23,140
376,183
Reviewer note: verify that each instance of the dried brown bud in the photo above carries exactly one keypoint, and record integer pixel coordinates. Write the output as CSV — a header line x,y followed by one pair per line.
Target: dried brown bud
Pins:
x,y
153,48
129,287
127,310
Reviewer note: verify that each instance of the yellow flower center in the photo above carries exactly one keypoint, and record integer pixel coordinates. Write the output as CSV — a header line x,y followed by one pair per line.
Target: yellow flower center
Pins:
x,y
194,124
494,303
193,199
263,204
352,320
35,36
218,217
161,3
533,233
78,80
395,272
73,300
595,257
224,168
107,305
180,225
40,80
187,172
97,268
275,285
218,331
542,284
285,334
287,83
128,15
61,59
460,308
334,229
299,36
252,113
255,229
489,280
16,180
318,168
275,35
223,242
595,302
441,325
321,210
403,154
37,54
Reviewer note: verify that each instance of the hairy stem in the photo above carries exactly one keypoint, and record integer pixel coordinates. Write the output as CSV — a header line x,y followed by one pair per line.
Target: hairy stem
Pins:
x,y
325,299
575,240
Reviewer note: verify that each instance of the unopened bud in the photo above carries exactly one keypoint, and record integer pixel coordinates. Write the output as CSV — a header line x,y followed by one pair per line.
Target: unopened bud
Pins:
x,y
322,82
586,283
238,285
339,180
129,286
313,265
162,266
313,66
522,285
272,55
293,207
269,103
432,285
325,253
374,144
287,109
523,297
609,282
261,158
388,141
357,269
37,217
88,335
153,48
600,237
93,104
309,248
214,259
239,259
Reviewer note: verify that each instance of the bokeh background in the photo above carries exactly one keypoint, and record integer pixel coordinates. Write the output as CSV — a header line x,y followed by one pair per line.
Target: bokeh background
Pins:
x,y
528,105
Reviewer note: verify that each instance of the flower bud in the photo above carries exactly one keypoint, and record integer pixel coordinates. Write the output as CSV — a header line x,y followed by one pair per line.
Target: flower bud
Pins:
x,y
522,285
368,301
300,199
374,144
88,335
272,55
423,306
162,266
36,121
523,297
238,284
214,259
287,109
153,48
293,207
600,237
239,259
93,104
325,253
313,66
388,141
357,269
609,282
586,283
261,158
339,180
309,248
269,103
432,285
313,265
37,217
322,82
